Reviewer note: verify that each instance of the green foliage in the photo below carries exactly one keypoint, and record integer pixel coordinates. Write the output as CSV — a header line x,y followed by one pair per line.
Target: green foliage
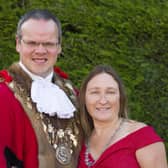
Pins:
x,y
129,35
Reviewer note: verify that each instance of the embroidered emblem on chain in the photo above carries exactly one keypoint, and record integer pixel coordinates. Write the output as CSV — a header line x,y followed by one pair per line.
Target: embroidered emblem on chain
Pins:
x,y
62,140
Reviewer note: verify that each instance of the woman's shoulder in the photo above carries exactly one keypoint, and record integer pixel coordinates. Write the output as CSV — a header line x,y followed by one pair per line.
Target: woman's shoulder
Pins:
x,y
133,125
130,128
146,134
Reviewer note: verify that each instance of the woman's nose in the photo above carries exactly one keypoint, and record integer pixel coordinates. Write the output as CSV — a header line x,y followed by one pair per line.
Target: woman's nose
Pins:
x,y
103,99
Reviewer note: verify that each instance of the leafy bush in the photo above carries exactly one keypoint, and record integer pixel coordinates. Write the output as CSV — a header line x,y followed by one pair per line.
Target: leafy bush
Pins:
x,y
129,35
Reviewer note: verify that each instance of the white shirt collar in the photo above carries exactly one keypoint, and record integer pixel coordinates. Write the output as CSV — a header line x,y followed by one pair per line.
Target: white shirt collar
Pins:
x,y
36,77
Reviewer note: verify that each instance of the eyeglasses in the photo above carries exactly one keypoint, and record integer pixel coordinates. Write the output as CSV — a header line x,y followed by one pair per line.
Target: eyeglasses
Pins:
x,y
46,45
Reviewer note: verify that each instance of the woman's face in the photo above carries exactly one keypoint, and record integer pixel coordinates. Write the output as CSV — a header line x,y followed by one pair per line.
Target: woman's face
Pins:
x,y
102,98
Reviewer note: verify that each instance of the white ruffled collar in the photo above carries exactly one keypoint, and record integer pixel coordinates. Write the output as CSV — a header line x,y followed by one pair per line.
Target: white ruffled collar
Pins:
x,y
49,98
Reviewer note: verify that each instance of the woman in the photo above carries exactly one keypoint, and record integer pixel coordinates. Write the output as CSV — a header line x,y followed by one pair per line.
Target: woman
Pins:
x,y
111,139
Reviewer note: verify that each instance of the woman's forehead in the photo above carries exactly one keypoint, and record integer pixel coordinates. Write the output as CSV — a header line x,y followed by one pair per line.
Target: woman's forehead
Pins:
x,y
102,80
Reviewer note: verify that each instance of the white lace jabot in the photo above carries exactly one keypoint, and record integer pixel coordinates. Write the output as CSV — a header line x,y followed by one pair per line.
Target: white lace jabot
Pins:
x,y
50,99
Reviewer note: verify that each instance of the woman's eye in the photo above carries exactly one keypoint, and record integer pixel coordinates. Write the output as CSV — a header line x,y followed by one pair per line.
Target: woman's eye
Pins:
x,y
111,92
94,92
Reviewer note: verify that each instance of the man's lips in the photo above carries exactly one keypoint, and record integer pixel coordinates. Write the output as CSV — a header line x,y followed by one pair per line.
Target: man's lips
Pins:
x,y
39,60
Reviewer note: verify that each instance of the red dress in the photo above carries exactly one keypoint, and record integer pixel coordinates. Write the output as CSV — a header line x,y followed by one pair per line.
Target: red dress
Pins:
x,y
122,153
16,131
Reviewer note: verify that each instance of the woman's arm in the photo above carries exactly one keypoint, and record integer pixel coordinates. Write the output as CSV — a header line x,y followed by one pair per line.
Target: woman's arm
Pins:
x,y
152,156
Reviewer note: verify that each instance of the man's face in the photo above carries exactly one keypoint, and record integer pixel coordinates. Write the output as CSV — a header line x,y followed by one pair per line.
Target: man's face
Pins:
x,y
39,46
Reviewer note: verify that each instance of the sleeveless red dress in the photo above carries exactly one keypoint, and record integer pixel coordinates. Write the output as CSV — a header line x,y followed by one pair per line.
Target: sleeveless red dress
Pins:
x,y
122,153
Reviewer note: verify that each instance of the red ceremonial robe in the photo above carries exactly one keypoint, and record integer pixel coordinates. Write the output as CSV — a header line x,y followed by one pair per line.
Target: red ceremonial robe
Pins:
x,y
16,131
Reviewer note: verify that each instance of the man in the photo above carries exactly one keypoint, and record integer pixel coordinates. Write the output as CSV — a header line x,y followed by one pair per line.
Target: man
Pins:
x,y
38,100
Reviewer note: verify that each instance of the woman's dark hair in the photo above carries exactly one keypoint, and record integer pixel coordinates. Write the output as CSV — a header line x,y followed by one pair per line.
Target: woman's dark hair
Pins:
x,y
86,120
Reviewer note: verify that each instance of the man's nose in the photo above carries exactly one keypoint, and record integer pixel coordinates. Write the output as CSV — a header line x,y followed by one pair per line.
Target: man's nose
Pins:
x,y
40,48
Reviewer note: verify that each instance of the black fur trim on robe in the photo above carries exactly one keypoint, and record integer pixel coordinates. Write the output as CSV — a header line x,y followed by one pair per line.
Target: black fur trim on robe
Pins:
x,y
11,159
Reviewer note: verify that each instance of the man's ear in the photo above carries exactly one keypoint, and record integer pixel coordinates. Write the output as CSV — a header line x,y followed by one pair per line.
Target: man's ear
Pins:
x,y
17,44
59,49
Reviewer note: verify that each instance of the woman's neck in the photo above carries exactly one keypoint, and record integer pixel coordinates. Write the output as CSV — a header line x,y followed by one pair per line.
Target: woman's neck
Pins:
x,y
101,128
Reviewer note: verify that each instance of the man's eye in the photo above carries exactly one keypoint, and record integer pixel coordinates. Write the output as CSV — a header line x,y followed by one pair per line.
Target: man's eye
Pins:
x,y
32,43
49,44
